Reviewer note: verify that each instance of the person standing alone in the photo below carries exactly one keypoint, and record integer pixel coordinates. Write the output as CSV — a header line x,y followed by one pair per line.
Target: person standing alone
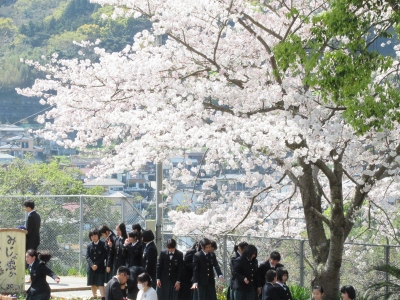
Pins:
x,y
32,226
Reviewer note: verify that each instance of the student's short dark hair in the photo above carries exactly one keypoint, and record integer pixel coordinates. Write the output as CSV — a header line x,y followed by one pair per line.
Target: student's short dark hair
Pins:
x,y
171,243
241,245
137,227
270,276
249,250
123,270
104,229
318,288
280,272
133,234
144,277
214,245
29,203
275,255
204,242
349,290
94,232
147,236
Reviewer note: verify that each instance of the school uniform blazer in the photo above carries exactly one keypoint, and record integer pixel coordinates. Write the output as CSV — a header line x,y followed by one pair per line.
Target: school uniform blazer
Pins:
x,y
113,290
283,292
233,257
203,272
39,285
188,264
269,292
118,257
149,261
170,269
244,268
262,272
96,255
133,254
33,228
110,250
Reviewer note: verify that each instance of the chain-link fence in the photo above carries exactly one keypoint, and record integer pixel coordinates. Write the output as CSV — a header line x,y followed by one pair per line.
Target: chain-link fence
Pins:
x,y
356,269
66,221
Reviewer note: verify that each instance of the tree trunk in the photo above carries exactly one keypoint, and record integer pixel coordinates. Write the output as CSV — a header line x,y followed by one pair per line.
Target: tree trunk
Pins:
x,y
326,252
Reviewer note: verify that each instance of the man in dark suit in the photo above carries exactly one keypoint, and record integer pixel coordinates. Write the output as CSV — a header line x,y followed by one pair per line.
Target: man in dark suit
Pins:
x,y
32,226
149,261
115,287
133,250
272,263
169,272
269,291
203,273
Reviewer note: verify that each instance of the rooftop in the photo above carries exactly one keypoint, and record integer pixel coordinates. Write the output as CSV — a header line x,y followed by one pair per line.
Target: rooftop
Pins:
x,y
104,182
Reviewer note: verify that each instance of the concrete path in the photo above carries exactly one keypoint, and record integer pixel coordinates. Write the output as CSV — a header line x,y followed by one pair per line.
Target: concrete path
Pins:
x,y
70,287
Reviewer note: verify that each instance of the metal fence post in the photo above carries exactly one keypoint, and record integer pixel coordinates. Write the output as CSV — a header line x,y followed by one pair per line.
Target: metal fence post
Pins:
x,y
387,262
224,256
159,211
123,209
301,262
80,230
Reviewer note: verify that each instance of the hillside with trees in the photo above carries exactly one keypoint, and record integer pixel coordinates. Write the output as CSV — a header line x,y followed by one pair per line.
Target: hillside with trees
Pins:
x,y
35,29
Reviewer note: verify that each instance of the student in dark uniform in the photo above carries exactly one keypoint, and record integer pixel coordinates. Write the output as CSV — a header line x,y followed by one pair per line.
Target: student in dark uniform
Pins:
x,y
185,292
137,228
95,257
133,250
245,274
32,226
110,237
169,272
132,283
269,291
348,292
203,273
237,251
272,263
317,292
149,261
39,289
117,248
283,290
116,286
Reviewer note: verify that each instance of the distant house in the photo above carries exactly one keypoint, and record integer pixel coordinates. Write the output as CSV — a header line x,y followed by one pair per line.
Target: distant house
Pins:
x,y
110,184
20,145
5,159
8,131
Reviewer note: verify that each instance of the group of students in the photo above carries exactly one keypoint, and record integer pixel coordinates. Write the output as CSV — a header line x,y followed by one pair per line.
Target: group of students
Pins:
x,y
130,267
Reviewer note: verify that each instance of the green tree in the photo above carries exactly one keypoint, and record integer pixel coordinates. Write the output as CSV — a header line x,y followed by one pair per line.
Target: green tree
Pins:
x,y
350,29
22,177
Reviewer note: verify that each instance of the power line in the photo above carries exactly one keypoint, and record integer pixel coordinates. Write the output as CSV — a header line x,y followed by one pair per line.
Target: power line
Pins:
x,y
33,114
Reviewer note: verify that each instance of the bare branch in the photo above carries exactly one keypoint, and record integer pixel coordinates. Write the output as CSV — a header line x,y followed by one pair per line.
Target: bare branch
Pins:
x,y
321,216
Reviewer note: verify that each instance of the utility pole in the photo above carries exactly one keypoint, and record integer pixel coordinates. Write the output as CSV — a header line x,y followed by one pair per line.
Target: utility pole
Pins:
x,y
159,179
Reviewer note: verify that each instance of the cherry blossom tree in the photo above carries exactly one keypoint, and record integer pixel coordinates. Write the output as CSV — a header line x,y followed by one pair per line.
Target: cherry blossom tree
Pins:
x,y
253,85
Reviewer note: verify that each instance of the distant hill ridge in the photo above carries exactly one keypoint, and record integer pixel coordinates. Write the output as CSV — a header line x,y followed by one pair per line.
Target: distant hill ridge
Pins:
x,y
32,28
